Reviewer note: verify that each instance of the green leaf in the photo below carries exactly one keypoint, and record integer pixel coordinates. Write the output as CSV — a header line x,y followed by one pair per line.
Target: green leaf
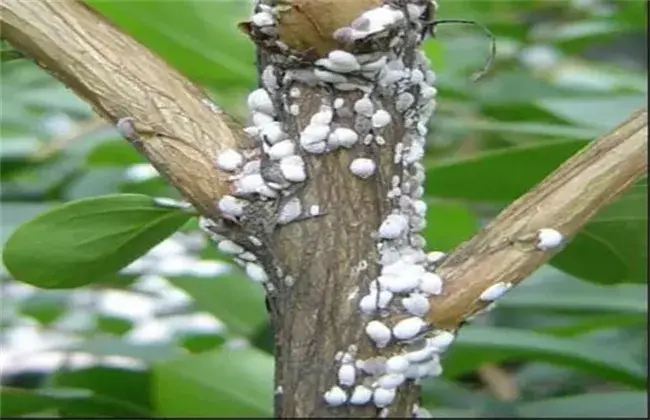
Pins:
x,y
116,391
614,243
220,383
21,402
113,153
446,393
577,296
530,128
233,299
45,306
594,111
200,38
99,181
502,175
16,213
477,345
115,346
621,404
82,241
448,224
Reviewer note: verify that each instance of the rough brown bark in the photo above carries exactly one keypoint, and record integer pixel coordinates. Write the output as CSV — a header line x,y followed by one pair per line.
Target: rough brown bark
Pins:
x,y
181,134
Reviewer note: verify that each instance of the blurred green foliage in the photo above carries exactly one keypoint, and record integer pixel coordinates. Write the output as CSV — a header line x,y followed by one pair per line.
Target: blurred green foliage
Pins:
x,y
571,340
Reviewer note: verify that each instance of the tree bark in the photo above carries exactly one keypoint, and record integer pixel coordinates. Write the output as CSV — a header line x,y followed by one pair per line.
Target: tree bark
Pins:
x,y
326,262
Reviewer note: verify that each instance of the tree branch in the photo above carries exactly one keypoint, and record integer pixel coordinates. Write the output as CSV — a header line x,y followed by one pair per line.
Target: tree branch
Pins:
x,y
181,133
179,130
505,251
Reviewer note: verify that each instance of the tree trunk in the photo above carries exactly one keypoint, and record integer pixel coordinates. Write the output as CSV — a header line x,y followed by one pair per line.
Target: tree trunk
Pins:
x,y
360,200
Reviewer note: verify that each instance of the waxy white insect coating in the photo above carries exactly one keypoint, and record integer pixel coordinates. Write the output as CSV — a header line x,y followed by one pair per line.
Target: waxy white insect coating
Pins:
x,y
314,133
282,149
383,397
256,273
368,304
231,206
549,239
441,341
434,257
361,395
364,107
229,247
260,119
414,154
272,132
342,61
343,137
380,119
247,256
391,380
347,375
260,101
419,356
290,211
495,291
431,284
416,304
379,333
293,168
427,92
229,160
408,328
397,364
393,226
363,167
398,283
329,77
374,65
323,117
253,183
262,19
430,368
294,92
335,396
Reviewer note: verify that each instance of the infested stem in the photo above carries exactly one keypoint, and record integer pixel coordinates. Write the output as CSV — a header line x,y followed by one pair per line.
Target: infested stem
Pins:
x,y
181,133
505,251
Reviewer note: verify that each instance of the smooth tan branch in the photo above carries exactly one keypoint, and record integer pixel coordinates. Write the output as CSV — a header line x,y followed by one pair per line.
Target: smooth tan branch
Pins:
x,y
179,130
506,251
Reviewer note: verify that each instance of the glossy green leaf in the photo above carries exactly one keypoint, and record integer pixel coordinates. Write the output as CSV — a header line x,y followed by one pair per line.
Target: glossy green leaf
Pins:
x,y
22,402
233,299
16,213
448,224
539,129
45,306
113,153
479,344
503,175
615,404
604,113
200,38
221,383
578,296
82,241
116,391
102,346
446,393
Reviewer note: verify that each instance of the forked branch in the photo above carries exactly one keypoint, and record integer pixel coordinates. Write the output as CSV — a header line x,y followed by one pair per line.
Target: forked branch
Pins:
x,y
181,132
